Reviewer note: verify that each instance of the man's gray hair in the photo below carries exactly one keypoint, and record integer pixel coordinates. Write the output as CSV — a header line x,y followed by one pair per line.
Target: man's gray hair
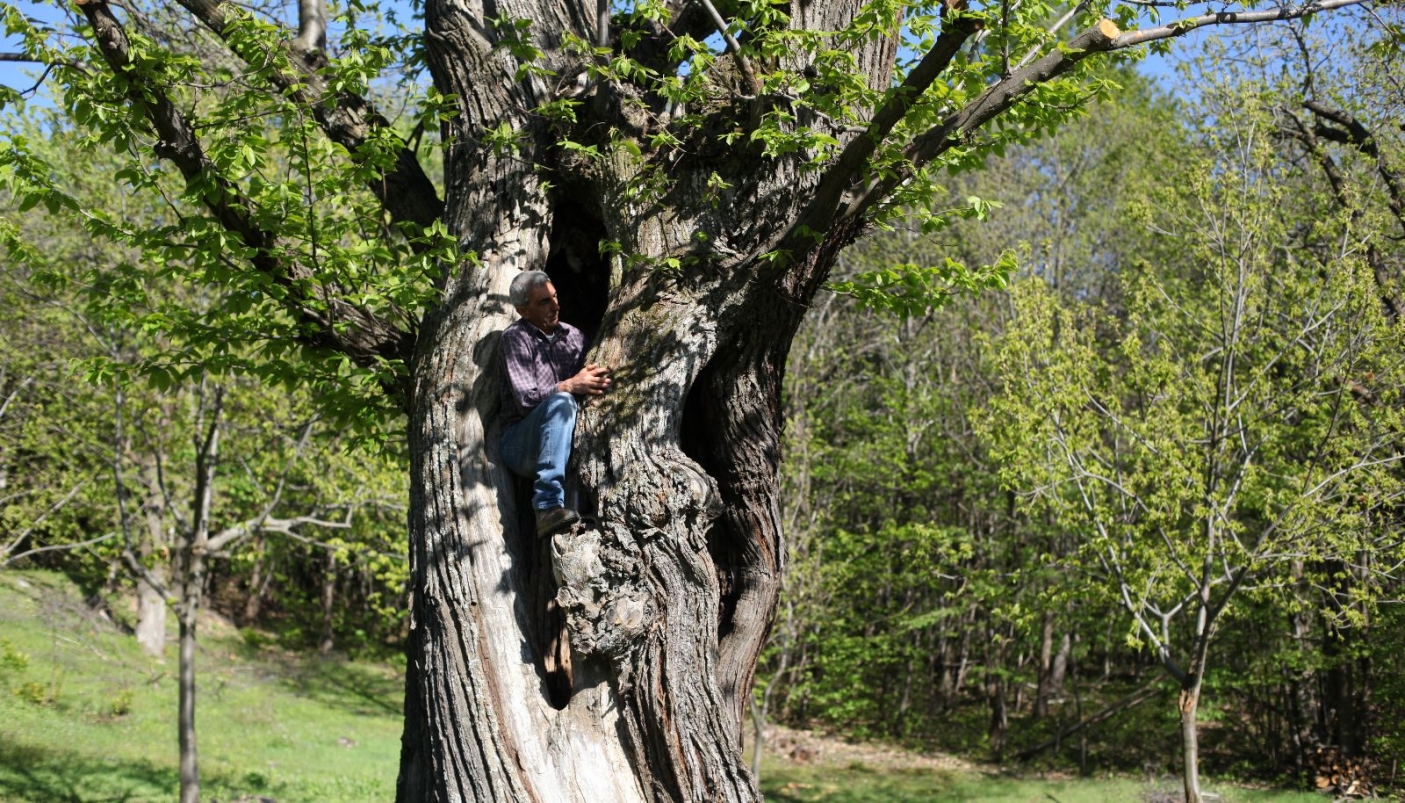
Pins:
x,y
523,284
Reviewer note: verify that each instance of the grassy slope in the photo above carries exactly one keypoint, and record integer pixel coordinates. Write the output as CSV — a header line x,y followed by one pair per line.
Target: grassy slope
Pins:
x,y
269,723
94,721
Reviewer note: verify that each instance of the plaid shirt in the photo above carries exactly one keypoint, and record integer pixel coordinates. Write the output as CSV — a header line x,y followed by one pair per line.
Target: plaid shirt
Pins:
x,y
533,362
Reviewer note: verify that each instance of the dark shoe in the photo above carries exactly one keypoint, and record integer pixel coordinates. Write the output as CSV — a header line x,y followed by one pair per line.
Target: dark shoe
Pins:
x,y
554,520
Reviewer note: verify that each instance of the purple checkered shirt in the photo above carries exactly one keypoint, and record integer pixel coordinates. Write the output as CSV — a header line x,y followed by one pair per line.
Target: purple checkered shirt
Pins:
x,y
534,362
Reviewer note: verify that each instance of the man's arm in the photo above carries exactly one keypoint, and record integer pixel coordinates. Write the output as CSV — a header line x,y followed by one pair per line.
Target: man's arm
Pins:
x,y
585,380
592,380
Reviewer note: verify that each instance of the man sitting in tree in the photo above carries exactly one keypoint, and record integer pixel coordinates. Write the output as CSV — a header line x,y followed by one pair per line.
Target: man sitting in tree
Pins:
x,y
543,371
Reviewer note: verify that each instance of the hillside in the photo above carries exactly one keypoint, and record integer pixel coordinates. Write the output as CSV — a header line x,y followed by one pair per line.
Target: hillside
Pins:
x,y
86,717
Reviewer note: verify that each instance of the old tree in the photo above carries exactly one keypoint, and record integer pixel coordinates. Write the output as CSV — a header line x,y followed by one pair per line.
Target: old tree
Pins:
x,y
687,172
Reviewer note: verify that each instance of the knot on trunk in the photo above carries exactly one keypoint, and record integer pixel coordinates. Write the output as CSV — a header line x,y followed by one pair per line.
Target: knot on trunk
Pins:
x,y
670,493
606,606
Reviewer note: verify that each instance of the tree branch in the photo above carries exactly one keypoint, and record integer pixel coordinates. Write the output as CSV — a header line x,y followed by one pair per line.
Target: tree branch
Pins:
x,y
1185,26
1103,37
262,520
56,547
1358,136
956,29
229,535
332,322
687,18
991,103
733,46
998,98
1384,276
349,120
23,534
5,405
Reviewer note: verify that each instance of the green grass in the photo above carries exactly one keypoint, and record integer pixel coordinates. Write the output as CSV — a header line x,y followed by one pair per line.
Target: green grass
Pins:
x,y
858,784
89,718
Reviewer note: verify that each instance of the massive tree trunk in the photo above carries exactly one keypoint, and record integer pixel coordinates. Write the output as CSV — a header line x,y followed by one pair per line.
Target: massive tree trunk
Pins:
x,y
668,586
667,589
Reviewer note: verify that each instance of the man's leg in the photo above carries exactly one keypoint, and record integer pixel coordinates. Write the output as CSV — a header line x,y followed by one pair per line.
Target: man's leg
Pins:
x,y
539,446
557,427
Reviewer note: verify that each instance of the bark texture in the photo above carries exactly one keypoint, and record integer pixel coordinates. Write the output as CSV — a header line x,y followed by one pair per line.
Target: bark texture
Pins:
x,y
668,587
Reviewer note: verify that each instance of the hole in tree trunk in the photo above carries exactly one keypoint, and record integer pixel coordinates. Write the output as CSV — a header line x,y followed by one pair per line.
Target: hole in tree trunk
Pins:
x,y
580,273
698,432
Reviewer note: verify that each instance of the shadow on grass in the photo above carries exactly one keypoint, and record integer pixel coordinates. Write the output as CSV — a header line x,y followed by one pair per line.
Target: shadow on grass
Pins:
x,y
360,688
32,774
36,775
337,682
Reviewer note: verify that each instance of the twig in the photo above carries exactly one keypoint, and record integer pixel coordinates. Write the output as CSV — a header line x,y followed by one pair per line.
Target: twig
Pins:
x,y
732,45
55,547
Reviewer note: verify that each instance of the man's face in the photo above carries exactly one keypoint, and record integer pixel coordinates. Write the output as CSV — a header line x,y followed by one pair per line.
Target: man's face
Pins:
x,y
541,309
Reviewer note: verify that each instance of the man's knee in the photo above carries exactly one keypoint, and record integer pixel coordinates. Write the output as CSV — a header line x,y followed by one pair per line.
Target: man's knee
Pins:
x,y
560,403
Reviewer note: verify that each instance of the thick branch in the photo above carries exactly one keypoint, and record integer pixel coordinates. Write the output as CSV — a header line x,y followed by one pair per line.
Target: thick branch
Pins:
x,y
332,323
1385,277
993,102
733,46
348,119
1354,133
1103,37
687,19
956,30
1308,138
266,524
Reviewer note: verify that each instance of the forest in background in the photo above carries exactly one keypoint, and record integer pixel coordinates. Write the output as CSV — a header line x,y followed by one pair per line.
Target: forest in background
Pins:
x,y
1172,443
1022,521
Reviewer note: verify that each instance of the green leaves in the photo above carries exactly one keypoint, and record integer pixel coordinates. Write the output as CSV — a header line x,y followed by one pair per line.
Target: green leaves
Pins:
x,y
325,229
1195,430
909,289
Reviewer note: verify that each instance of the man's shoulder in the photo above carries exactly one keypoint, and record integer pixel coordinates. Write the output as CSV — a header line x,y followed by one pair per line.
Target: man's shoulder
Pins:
x,y
522,329
519,329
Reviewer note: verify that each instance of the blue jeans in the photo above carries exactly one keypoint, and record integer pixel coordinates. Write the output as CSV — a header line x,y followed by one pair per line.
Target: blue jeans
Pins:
x,y
540,445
